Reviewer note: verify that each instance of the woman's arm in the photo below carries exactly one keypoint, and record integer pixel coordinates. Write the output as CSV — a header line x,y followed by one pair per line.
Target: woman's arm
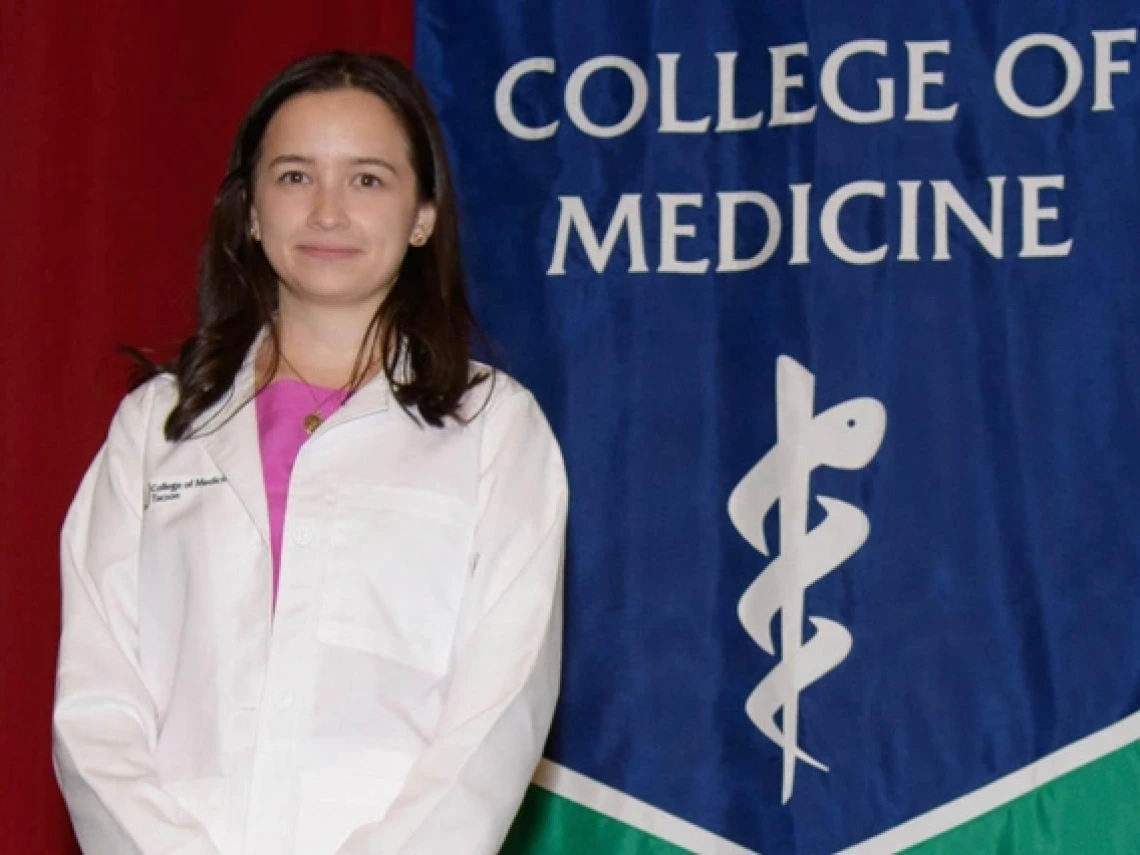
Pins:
x,y
465,789
105,722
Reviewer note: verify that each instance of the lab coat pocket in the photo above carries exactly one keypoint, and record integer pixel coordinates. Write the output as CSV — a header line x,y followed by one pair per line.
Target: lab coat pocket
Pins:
x,y
334,804
207,800
396,574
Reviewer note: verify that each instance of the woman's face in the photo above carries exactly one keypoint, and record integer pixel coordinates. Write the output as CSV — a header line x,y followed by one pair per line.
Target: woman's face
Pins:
x,y
335,202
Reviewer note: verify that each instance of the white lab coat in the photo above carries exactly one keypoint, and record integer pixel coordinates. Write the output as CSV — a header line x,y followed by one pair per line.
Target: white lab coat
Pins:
x,y
398,700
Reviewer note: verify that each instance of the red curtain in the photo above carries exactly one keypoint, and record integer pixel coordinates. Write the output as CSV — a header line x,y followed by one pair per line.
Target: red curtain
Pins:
x,y
118,122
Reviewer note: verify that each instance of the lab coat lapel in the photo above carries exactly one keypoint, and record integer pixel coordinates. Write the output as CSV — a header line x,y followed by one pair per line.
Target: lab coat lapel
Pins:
x,y
372,397
375,396
231,438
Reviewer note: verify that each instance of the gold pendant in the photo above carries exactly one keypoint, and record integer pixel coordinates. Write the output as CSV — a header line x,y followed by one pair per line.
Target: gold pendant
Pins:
x,y
312,422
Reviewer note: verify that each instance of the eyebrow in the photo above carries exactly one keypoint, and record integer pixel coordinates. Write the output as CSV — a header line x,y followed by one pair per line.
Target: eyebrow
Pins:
x,y
283,159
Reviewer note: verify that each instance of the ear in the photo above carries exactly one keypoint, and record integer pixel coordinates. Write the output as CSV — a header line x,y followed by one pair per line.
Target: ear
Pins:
x,y
254,224
425,225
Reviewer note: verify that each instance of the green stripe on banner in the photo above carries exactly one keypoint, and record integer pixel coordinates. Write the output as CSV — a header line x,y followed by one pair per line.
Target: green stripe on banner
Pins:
x,y
1093,810
548,824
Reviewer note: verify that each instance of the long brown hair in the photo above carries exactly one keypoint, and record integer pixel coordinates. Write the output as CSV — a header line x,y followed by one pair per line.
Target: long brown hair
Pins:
x,y
426,317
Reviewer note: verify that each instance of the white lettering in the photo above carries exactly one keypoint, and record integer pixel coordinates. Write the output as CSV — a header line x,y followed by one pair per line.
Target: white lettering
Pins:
x,y
920,78
947,198
1105,66
687,239
504,104
729,202
1032,215
829,84
908,220
577,83
801,210
782,82
627,216
670,124
1003,75
726,118
829,222
671,231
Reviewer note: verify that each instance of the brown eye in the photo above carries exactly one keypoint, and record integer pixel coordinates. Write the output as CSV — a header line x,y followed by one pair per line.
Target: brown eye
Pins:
x,y
367,180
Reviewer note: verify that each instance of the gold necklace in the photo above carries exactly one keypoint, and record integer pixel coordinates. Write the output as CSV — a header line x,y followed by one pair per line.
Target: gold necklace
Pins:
x,y
314,419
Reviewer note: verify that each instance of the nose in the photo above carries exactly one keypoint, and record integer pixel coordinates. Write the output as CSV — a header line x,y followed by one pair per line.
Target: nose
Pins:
x,y
328,211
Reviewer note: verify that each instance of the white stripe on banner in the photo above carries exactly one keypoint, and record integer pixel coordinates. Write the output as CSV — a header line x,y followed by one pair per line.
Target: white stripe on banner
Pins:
x,y
1000,792
644,817
633,812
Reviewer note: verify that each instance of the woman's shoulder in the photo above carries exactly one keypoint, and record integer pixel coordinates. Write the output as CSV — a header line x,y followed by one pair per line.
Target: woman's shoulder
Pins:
x,y
514,435
503,407
491,389
147,404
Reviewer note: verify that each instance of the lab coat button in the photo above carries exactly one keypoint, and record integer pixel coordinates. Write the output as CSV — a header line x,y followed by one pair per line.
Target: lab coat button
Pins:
x,y
302,535
283,699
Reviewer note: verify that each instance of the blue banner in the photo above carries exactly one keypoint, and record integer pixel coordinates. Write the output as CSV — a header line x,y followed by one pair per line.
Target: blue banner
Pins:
x,y
834,309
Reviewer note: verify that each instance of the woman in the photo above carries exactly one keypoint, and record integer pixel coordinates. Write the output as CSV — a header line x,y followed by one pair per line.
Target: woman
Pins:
x,y
312,581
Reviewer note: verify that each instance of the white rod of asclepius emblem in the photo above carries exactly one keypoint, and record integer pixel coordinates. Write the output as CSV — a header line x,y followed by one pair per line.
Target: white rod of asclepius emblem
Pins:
x,y
794,407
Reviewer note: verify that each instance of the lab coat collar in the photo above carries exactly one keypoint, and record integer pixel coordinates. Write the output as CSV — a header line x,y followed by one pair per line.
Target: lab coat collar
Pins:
x,y
229,430
373,397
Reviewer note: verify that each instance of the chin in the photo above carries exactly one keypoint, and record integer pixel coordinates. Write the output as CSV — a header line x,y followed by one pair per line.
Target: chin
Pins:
x,y
335,293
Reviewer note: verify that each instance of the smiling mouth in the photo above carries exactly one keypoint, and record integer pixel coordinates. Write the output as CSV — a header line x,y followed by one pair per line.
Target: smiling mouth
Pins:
x,y
329,252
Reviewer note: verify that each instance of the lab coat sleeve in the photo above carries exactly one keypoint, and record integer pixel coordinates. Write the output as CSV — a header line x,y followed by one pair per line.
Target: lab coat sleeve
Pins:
x,y
104,718
465,789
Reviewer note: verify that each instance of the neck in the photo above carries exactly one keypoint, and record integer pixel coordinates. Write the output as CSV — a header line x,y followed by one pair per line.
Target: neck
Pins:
x,y
319,345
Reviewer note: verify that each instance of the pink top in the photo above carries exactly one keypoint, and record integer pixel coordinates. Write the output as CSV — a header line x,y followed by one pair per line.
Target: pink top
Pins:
x,y
281,410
